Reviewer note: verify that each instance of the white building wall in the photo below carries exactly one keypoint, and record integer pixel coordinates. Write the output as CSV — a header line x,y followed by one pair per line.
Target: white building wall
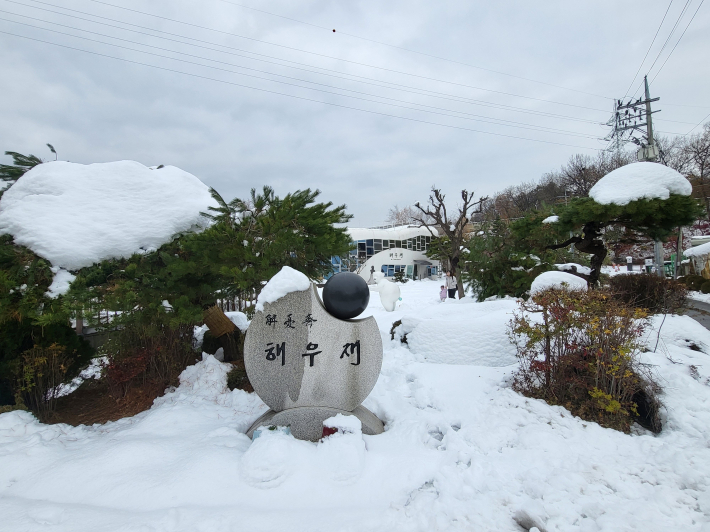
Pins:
x,y
397,257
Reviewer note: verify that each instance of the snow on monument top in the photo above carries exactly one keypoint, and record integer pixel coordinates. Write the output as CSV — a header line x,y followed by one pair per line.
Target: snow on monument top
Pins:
x,y
639,181
286,281
74,214
553,279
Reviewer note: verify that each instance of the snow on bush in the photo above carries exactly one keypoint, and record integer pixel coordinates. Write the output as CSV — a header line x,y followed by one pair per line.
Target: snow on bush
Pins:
x,y
571,266
551,219
60,282
554,279
286,281
74,214
639,181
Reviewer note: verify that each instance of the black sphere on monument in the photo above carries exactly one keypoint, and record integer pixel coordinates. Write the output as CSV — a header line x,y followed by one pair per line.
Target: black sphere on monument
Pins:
x,y
345,295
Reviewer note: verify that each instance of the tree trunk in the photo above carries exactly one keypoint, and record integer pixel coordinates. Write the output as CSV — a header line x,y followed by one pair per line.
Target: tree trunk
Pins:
x,y
592,244
454,262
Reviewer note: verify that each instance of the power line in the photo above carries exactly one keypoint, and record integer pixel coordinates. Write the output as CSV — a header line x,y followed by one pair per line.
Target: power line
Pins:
x,y
696,125
676,44
290,48
682,105
294,96
398,48
378,82
674,121
685,7
649,49
478,118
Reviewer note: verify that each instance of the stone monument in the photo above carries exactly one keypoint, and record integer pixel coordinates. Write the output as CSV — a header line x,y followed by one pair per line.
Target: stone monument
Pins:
x,y
306,364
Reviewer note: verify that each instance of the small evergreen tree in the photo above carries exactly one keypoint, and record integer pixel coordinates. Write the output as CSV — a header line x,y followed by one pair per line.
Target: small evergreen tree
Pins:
x,y
30,320
494,266
588,221
160,296
20,165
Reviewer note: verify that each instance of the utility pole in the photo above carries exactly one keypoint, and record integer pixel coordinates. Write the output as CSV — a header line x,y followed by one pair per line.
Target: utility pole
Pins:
x,y
629,119
650,153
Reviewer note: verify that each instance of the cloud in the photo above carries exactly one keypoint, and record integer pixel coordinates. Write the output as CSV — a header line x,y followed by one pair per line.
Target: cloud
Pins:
x,y
96,109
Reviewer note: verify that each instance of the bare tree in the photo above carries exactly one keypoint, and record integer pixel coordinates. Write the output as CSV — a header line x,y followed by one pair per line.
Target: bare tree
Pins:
x,y
436,215
404,216
697,149
582,172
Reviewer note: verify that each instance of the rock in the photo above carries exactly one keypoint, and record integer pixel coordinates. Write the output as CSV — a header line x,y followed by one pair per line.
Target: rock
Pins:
x,y
297,355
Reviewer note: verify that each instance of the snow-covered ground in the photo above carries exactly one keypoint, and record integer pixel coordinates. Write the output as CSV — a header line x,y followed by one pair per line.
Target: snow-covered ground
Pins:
x,y
461,450
699,296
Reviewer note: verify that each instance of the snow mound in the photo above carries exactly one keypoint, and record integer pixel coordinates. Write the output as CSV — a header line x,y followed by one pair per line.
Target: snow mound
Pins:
x,y
239,319
350,424
557,280
75,215
472,338
639,181
286,281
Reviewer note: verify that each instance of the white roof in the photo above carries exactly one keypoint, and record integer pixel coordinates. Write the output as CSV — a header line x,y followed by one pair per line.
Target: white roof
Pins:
x,y
698,251
639,181
391,233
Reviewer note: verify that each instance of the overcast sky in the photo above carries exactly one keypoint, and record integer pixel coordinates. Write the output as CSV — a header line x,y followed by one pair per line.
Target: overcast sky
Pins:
x,y
313,110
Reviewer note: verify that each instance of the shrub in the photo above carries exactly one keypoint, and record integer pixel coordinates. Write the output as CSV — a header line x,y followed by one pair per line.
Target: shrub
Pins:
x,y
156,351
705,287
400,277
41,370
29,319
651,292
583,354
237,378
694,282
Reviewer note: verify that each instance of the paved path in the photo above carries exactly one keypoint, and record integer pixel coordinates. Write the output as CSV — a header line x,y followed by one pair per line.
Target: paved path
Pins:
x,y
699,311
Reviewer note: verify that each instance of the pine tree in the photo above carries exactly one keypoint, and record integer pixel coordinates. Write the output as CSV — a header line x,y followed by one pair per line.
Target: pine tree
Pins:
x,y
653,219
20,165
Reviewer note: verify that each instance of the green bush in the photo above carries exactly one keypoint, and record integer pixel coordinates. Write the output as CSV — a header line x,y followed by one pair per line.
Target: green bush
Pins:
x,y
583,354
694,282
237,379
30,320
400,277
651,292
705,287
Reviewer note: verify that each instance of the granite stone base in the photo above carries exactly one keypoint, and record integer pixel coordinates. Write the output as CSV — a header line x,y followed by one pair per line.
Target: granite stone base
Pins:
x,y
307,422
